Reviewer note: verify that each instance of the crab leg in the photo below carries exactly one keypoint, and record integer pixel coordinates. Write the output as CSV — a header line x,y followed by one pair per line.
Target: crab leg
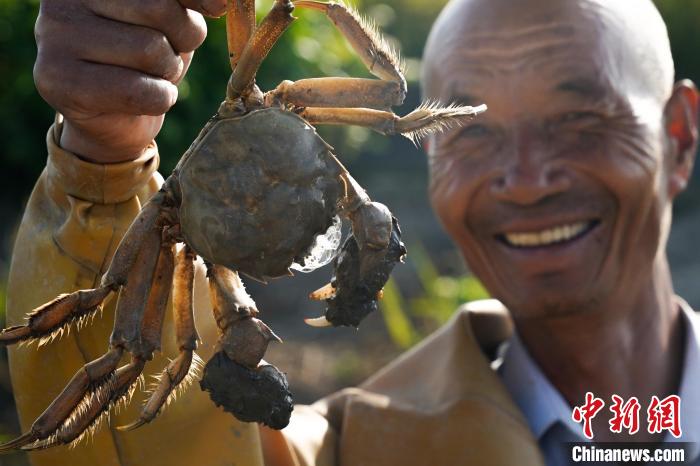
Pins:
x,y
90,375
183,309
379,58
182,367
229,299
52,318
132,302
337,92
152,322
94,389
133,239
240,24
259,45
424,120
86,417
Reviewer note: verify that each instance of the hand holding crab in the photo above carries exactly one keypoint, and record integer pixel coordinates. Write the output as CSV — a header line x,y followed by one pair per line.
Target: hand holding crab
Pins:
x,y
255,194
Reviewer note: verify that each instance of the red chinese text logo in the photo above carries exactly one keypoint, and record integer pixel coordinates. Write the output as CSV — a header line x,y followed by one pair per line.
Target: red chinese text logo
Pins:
x,y
587,412
665,415
625,415
662,415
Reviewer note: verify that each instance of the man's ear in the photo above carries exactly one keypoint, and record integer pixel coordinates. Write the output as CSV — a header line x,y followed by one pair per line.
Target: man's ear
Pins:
x,y
681,117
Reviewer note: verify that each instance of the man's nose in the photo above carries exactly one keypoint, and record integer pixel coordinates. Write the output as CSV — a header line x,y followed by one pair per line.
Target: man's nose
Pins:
x,y
531,172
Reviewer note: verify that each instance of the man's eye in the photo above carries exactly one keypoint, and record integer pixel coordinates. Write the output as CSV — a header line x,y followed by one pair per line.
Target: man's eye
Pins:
x,y
578,118
474,130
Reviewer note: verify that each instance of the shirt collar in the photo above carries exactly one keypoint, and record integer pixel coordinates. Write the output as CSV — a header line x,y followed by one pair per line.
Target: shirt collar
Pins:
x,y
536,397
689,390
543,405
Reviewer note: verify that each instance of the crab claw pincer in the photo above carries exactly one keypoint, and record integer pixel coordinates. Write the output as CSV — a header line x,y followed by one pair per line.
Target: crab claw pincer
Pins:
x,y
234,377
362,267
252,395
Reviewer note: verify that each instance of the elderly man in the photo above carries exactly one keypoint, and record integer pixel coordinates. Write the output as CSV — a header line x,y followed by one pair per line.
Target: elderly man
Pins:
x,y
559,198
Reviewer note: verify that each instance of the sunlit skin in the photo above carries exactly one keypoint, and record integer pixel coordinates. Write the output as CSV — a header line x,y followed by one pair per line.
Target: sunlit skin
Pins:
x,y
584,126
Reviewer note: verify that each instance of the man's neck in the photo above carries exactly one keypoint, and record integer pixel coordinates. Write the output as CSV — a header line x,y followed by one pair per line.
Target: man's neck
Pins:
x,y
633,347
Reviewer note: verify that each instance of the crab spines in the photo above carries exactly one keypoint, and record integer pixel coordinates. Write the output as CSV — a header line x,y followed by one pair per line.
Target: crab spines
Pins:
x,y
362,268
431,117
50,320
75,397
88,415
179,374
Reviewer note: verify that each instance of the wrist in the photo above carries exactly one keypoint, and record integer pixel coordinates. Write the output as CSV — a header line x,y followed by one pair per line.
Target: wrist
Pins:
x,y
106,145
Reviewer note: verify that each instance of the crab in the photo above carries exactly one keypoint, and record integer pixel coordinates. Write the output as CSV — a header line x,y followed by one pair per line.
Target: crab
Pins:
x,y
257,193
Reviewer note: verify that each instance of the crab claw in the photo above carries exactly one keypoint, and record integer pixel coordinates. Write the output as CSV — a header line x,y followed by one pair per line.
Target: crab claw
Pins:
x,y
327,291
251,395
318,322
363,266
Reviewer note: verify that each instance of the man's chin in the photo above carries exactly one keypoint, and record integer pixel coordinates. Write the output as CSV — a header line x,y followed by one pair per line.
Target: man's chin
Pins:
x,y
549,303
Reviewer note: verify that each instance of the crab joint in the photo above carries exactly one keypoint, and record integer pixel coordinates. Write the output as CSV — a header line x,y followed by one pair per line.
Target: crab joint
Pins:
x,y
246,340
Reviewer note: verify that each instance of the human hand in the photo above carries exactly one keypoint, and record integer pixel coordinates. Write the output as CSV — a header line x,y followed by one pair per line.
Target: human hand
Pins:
x,y
111,68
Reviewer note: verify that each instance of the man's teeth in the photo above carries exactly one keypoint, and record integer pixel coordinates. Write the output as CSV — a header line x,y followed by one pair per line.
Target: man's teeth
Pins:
x,y
546,237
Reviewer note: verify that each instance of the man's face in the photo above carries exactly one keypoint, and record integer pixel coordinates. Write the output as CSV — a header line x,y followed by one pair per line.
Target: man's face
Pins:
x,y
557,195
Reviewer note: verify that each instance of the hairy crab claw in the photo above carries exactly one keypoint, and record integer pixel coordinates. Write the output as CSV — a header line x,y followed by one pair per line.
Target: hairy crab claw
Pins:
x,y
361,269
252,395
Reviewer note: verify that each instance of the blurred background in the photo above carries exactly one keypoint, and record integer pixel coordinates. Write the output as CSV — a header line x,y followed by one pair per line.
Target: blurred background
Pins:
x,y
423,293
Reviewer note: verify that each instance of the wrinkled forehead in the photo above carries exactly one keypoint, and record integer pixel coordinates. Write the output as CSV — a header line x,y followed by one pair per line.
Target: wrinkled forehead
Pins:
x,y
481,40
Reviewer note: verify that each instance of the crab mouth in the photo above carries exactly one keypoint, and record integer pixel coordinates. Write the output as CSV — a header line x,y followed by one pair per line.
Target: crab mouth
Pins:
x,y
558,234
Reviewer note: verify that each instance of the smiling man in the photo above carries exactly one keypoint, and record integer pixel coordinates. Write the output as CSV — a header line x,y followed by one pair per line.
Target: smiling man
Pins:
x,y
560,199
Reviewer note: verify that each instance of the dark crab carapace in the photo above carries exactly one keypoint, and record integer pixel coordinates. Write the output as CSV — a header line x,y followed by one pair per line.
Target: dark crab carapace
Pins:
x,y
252,195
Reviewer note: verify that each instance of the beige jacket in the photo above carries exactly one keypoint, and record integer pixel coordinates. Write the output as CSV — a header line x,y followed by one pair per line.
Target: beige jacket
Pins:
x,y
438,404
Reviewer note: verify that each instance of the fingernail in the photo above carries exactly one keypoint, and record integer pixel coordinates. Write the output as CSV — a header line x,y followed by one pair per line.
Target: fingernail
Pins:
x,y
214,8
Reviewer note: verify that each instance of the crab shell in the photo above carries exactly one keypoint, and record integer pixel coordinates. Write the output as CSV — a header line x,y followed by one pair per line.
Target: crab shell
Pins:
x,y
256,191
